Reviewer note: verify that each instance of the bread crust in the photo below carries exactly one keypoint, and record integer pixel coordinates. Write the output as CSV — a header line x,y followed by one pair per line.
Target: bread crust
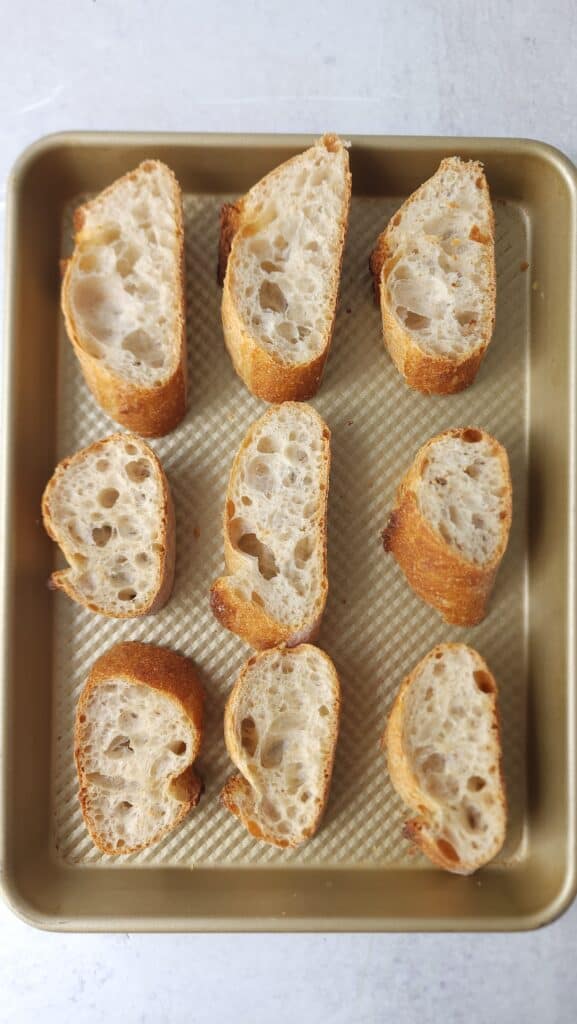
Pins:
x,y
424,371
148,411
459,589
246,618
171,674
418,830
237,793
266,376
61,579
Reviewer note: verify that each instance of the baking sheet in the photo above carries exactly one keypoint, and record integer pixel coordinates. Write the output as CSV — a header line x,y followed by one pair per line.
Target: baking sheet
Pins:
x,y
374,628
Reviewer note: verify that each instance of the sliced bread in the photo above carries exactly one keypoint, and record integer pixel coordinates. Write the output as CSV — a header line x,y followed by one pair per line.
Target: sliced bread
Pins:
x,y
138,732
444,758
281,249
275,530
450,525
434,272
281,725
109,509
123,298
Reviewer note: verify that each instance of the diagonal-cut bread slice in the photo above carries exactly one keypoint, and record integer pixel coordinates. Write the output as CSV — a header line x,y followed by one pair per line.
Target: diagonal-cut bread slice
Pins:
x,y
275,530
434,271
138,733
280,256
123,299
109,509
444,758
281,725
450,525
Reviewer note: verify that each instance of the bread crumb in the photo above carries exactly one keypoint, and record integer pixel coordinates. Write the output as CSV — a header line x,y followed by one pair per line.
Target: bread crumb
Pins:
x,y
196,533
350,423
523,266
348,309
535,285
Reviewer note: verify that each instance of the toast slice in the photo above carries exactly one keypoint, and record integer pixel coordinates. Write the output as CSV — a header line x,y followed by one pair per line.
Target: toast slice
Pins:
x,y
444,757
123,299
280,725
109,509
434,272
275,530
137,735
281,249
450,525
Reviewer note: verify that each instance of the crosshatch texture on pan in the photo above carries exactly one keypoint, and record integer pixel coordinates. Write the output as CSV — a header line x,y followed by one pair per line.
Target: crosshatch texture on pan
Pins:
x,y
374,628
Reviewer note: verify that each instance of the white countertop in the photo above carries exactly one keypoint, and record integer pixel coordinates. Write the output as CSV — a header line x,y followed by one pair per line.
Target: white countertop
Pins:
x,y
480,67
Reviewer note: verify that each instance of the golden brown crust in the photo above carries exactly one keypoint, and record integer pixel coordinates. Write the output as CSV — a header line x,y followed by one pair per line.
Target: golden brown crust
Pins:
x,y
148,411
61,579
419,830
422,370
247,618
457,588
237,794
265,376
175,677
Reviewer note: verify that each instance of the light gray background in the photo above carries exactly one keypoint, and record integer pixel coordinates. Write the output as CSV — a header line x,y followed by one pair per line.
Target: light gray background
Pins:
x,y
481,67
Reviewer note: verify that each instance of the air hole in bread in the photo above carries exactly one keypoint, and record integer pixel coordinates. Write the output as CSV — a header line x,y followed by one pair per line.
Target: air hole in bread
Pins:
x,y
257,599
267,444
474,471
137,470
305,797
108,782
286,667
483,681
471,436
287,331
272,297
434,763
108,497
271,812
251,545
272,753
447,850
102,465
124,806
303,551
259,475
477,521
269,267
414,321
323,711
475,783
144,348
119,746
126,594
177,747
467,319
280,242
101,535
246,500
312,246
473,818
295,455
249,735
74,531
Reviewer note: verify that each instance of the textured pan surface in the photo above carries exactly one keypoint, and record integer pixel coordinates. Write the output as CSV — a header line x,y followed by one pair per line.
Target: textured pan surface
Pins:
x,y
375,629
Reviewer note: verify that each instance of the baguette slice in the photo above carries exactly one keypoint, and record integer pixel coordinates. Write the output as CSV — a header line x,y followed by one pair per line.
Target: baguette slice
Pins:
x,y
434,271
109,509
450,525
280,726
444,758
138,732
123,299
275,530
281,249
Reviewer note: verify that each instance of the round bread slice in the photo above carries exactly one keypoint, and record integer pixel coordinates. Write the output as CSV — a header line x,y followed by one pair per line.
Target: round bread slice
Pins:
x,y
123,299
109,509
138,732
281,250
450,525
275,530
444,758
280,726
434,272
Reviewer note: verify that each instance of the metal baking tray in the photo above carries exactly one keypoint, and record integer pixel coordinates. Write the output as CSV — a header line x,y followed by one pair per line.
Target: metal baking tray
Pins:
x,y
358,873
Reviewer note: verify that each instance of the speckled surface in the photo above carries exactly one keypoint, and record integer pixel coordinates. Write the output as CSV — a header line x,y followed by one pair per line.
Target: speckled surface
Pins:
x,y
440,67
